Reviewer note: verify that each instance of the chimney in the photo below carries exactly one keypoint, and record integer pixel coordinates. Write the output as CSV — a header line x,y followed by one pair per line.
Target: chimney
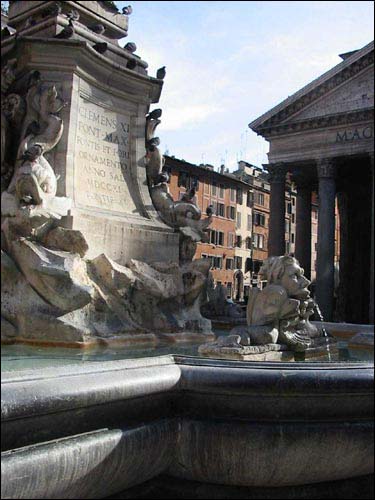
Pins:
x,y
222,167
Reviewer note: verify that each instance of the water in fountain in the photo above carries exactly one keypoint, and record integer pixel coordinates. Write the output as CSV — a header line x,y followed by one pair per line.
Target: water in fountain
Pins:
x,y
320,315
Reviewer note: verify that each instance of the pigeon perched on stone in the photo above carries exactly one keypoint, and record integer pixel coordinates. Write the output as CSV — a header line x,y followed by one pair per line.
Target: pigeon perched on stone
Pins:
x,y
131,64
130,47
155,114
163,177
73,15
66,33
100,47
127,10
33,153
189,195
97,28
160,74
52,10
209,210
153,143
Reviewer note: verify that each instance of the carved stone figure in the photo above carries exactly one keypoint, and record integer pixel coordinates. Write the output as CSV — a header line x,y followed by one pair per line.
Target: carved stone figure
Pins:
x,y
218,305
10,106
284,304
51,291
182,215
278,314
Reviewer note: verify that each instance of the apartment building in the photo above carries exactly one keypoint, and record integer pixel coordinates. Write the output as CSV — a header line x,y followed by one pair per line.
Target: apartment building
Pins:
x,y
227,195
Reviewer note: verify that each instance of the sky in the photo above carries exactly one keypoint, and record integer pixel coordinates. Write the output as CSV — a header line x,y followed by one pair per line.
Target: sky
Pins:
x,y
229,62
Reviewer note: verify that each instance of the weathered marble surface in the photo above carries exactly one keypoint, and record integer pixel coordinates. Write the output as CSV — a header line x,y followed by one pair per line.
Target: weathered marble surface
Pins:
x,y
218,306
86,256
51,290
208,421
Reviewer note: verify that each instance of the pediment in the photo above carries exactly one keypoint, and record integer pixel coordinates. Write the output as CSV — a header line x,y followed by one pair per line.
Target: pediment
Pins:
x,y
346,88
353,95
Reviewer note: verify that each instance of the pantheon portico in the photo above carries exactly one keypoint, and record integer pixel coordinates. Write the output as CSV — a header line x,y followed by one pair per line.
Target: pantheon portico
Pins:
x,y
321,138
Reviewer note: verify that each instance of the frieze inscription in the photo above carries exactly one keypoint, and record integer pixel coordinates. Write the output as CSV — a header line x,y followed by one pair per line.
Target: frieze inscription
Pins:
x,y
355,135
102,156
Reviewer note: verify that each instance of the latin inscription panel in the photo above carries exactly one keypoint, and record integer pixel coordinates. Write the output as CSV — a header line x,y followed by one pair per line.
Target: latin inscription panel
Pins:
x,y
102,159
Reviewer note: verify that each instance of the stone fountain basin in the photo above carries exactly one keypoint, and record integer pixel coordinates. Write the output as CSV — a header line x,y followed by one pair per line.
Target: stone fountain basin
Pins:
x,y
94,430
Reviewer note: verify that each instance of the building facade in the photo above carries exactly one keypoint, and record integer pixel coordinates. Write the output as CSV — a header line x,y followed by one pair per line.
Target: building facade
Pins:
x,y
322,136
227,196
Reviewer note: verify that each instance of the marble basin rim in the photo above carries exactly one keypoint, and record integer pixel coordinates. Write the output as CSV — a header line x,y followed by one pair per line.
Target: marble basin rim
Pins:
x,y
213,421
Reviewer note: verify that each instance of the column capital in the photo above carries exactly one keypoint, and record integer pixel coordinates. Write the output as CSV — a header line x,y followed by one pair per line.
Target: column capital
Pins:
x,y
326,168
301,180
277,172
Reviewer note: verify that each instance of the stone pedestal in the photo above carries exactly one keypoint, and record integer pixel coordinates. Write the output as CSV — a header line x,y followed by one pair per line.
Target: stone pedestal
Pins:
x,y
100,157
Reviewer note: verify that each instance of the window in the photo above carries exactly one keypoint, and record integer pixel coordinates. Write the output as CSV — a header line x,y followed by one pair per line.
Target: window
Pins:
x,y
248,265
216,261
220,238
221,190
249,222
258,240
259,219
188,181
231,239
248,243
259,198
238,223
287,226
183,179
206,188
229,290
204,256
293,218
214,186
289,208
214,207
220,210
250,199
238,241
293,201
229,264
238,262
232,194
216,237
239,196
292,235
231,213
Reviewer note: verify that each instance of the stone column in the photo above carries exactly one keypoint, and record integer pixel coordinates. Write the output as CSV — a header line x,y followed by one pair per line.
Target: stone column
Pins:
x,y
276,237
371,306
303,225
326,238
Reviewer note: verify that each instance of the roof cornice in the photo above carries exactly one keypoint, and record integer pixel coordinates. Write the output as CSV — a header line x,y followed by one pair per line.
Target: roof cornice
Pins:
x,y
347,118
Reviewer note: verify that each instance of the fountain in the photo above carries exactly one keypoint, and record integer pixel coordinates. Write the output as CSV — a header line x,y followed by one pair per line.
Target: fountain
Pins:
x,y
96,254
